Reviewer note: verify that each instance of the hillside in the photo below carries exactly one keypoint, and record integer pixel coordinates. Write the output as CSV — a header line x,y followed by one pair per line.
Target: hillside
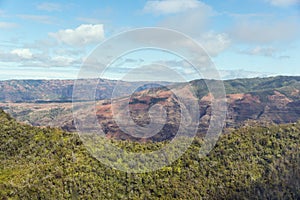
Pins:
x,y
61,90
264,100
250,163
267,100
49,91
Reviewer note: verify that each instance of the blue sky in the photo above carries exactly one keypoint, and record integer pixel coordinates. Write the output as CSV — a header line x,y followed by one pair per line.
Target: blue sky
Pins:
x,y
51,39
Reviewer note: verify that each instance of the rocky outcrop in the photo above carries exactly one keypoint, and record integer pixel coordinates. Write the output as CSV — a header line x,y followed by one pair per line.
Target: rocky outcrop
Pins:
x,y
270,100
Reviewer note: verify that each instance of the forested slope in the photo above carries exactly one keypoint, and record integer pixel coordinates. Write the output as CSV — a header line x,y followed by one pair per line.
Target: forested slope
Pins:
x,y
250,163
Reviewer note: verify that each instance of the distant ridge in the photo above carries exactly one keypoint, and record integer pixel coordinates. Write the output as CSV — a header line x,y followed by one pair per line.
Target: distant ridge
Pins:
x,y
61,90
260,100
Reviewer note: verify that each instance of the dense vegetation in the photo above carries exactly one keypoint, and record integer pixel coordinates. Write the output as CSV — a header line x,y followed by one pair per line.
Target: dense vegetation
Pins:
x,y
257,86
250,163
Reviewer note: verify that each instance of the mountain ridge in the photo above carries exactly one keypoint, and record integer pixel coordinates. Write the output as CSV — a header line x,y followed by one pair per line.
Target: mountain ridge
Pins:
x,y
265,100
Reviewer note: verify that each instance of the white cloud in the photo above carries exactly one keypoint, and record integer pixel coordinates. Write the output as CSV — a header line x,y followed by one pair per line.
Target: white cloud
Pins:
x,y
214,43
283,3
194,25
260,51
190,17
240,73
22,53
62,61
49,7
170,6
192,22
7,57
7,25
246,15
266,51
73,52
266,30
25,58
83,35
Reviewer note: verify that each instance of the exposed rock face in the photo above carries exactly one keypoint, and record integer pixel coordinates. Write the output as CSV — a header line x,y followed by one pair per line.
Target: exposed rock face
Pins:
x,y
278,109
241,108
273,100
139,105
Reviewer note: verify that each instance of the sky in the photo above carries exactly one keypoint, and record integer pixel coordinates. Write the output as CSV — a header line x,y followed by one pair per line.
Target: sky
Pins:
x,y
53,39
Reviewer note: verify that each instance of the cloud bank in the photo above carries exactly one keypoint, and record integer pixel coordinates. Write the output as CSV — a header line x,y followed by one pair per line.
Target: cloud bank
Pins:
x,y
82,35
